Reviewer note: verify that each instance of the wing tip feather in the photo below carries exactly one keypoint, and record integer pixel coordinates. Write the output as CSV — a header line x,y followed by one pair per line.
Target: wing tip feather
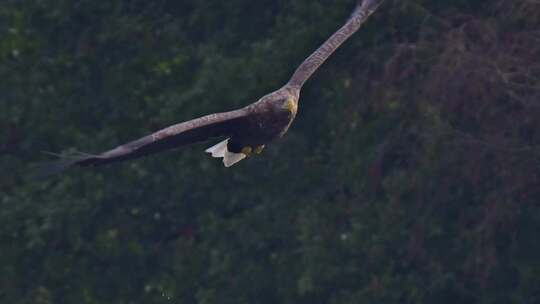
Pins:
x,y
65,161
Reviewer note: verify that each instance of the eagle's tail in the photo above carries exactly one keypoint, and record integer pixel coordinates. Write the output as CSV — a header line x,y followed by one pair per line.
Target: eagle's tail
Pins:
x,y
221,150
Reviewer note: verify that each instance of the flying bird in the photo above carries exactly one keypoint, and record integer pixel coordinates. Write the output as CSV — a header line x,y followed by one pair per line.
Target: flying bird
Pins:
x,y
244,131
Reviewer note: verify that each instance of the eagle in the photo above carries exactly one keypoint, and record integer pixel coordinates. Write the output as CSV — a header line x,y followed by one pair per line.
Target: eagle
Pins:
x,y
245,131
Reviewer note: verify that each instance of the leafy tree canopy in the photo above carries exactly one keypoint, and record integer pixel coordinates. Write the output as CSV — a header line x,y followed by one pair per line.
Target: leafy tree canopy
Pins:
x,y
410,175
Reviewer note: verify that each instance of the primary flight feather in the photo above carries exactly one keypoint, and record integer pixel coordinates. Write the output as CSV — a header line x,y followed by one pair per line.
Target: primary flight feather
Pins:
x,y
245,130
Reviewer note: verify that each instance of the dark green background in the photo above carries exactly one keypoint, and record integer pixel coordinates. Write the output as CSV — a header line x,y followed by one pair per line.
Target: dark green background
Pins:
x,y
411,174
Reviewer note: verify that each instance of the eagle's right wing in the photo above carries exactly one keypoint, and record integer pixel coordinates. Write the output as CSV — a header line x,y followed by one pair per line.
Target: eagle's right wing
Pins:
x,y
182,134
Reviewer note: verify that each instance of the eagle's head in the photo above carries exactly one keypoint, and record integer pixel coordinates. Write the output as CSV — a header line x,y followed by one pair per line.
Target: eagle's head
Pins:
x,y
285,98
291,104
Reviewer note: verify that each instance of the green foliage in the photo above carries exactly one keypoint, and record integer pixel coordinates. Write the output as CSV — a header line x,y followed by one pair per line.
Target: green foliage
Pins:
x,y
410,175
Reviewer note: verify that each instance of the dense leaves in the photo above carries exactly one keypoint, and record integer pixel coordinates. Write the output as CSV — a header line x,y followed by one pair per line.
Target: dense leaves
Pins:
x,y
411,174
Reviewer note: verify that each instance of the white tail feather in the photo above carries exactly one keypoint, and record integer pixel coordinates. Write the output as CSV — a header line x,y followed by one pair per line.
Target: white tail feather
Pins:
x,y
221,150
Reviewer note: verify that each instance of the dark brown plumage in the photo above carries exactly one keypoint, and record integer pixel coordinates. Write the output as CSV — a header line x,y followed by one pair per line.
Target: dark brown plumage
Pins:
x,y
246,130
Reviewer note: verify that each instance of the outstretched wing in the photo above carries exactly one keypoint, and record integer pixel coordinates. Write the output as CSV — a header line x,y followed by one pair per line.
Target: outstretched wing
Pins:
x,y
185,133
312,63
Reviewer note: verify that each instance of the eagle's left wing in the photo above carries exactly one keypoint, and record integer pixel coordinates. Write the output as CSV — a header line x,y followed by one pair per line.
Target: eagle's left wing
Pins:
x,y
363,10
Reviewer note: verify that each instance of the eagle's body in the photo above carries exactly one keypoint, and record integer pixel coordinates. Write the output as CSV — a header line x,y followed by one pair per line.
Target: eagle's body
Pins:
x,y
245,130
270,117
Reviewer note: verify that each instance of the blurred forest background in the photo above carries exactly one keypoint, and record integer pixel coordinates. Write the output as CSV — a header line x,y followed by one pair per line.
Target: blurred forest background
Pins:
x,y
411,174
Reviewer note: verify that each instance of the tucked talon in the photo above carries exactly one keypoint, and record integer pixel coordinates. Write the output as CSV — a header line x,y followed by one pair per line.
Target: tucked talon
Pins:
x,y
258,149
247,150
